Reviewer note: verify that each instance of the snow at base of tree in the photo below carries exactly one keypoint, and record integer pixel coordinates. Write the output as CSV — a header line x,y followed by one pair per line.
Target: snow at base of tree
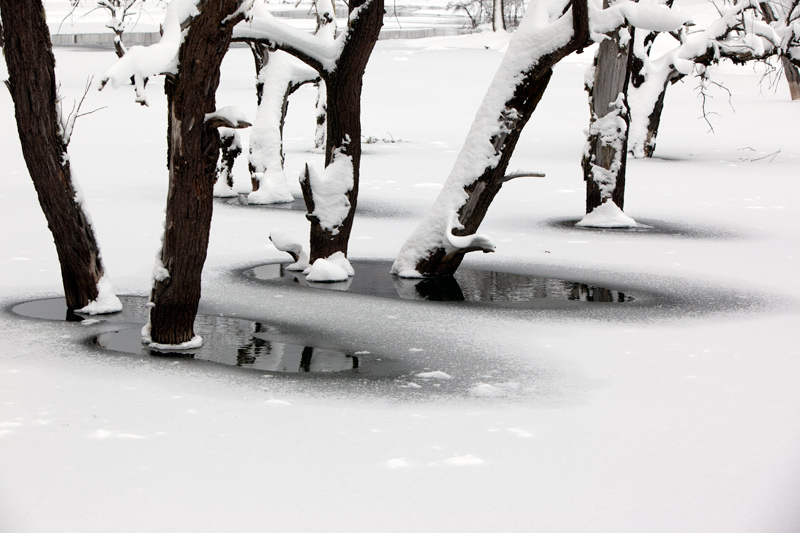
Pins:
x,y
325,271
335,268
106,302
223,190
607,215
147,340
196,342
272,188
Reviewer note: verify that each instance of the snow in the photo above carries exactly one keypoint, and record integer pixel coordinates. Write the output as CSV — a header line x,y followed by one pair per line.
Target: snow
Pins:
x,y
195,342
329,189
325,271
606,215
609,419
106,302
232,116
143,62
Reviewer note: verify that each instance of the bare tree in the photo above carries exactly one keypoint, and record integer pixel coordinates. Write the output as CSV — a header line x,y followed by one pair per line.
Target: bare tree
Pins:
x,y
196,37
44,133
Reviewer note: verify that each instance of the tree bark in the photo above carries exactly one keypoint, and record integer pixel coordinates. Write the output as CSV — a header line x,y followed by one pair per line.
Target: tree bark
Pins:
x,y
512,117
343,135
193,151
32,83
604,165
792,74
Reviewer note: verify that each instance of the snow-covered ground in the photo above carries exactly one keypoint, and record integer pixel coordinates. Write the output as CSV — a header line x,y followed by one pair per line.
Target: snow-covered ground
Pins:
x,y
634,417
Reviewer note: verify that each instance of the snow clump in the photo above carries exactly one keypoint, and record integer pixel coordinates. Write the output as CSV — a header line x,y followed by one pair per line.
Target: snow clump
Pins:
x,y
607,215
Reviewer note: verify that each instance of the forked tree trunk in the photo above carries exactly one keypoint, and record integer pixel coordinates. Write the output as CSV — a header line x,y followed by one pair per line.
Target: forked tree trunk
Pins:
x,y
193,151
31,69
606,158
343,95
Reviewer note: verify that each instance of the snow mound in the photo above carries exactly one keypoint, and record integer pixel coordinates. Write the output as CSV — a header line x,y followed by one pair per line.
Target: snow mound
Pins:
x,y
106,302
325,271
496,390
438,374
607,215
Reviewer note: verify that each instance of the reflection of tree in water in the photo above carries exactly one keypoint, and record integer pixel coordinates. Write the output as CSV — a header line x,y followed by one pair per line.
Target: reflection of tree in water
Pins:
x,y
279,357
488,286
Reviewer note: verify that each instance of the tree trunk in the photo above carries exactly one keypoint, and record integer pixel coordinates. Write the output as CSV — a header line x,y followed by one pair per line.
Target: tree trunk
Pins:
x,y
604,164
32,83
498,19
481,193
497,127
343,94
193,151
792,74
790,70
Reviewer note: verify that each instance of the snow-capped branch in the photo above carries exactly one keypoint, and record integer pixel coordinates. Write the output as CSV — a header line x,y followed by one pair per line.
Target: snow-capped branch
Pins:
x,y
522,174
641,16
466,243
227,117
142,62
318,51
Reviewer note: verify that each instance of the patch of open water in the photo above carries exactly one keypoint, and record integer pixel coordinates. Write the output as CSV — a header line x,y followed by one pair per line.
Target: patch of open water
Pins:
x,y
373,278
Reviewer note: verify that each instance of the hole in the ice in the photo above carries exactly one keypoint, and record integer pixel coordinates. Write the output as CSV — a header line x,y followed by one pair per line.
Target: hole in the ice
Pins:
x,y
244,344
50,309
373,278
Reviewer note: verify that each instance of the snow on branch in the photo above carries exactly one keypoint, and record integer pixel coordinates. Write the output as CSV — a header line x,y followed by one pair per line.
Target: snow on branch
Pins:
x,y
318,51
642,16
466,243
227,117
142,62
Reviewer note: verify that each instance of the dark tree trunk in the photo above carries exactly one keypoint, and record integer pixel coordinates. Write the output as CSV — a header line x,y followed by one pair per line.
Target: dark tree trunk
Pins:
x,y
612,74
526,97
31,68
344,122
193,151
516,112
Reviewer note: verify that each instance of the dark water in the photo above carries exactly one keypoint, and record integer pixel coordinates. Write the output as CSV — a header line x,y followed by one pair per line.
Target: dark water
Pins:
x,y
373,278
227,341
246,344
51,309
